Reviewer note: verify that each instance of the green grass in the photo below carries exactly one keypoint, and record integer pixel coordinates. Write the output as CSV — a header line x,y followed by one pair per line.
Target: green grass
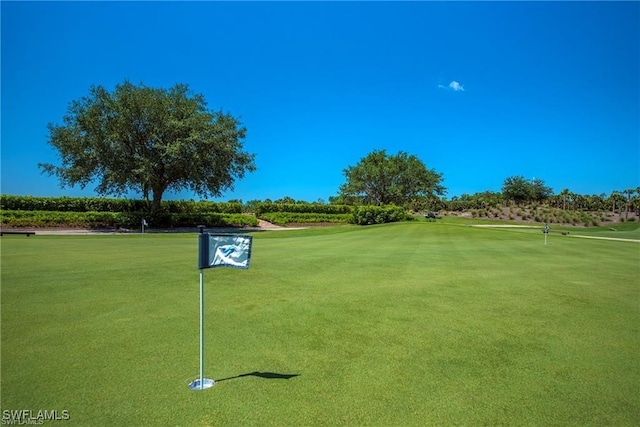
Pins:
x,y
416,323
626,230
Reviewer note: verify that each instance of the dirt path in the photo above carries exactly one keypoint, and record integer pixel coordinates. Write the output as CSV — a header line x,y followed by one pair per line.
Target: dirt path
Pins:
x,y
505,226
606,238
538,226
268,226
54,231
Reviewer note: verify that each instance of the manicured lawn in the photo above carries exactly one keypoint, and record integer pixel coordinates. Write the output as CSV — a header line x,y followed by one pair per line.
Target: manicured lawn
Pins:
x,y
628,230
402,324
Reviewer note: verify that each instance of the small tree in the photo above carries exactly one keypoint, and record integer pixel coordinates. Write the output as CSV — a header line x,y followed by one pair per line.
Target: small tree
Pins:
x,y
517,189
148,140
380,179
635,200
617,200
286,199
629,192
539,191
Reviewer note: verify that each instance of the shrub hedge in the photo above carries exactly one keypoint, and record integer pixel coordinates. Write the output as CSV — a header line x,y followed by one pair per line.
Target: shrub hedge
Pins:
x,y
100,204
96,212
367,215
285,213
316,208
132,220
284,218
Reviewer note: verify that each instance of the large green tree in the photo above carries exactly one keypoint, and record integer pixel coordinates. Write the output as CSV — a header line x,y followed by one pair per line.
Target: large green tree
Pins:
x,y
519,190
380,178
539,191
148,140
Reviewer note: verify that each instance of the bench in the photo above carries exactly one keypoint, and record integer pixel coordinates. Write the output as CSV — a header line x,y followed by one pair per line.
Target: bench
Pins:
x,y
26,233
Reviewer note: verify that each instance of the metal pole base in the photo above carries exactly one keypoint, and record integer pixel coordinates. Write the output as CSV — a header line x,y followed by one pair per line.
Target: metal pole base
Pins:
x,y
201,384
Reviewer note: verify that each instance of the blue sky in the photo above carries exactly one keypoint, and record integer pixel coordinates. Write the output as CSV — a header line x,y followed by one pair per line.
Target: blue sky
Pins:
x,y
479,91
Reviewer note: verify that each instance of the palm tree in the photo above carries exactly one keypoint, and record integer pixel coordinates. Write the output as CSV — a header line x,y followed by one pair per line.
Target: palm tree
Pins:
x,y
613,198
564,193
636,201
602,197
629,192
573,198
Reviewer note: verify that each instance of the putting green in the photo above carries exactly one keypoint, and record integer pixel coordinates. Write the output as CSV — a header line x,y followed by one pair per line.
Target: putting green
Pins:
x,y
401,324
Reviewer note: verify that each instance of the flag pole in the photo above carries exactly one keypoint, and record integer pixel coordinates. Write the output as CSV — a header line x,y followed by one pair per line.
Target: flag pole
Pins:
x,y
201,383
546,232
201,329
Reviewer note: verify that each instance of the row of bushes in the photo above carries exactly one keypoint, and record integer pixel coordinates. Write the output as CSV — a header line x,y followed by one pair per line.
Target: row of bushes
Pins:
x,y
130,220
316,208
124,213
363,215
284,218
367,215
190,206
360,215
100,204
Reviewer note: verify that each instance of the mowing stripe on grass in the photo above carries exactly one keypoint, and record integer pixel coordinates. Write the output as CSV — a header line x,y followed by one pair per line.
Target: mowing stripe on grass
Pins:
x,y
401,324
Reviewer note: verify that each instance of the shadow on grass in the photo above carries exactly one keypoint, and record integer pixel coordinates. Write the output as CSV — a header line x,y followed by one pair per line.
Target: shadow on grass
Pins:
x,y
265,375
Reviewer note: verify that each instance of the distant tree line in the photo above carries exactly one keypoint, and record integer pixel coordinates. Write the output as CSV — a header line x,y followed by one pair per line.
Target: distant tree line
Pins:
x,y
518,191
623,202
147,140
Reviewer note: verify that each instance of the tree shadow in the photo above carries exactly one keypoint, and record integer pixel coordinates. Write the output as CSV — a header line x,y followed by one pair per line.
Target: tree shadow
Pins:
x,y
265,375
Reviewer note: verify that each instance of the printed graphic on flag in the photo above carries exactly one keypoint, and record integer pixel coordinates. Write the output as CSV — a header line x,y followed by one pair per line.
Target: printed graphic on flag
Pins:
x,y
225,251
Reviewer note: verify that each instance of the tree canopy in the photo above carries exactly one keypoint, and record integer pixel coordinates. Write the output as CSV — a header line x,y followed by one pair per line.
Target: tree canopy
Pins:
x,y
380,178
148,140
518,189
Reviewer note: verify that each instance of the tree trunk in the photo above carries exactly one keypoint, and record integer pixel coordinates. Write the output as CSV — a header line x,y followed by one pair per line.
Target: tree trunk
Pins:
x,y
145,197
156,203
626,215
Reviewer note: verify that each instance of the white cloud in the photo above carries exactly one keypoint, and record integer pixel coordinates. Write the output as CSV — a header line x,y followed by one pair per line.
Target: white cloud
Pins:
x,y
454,85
